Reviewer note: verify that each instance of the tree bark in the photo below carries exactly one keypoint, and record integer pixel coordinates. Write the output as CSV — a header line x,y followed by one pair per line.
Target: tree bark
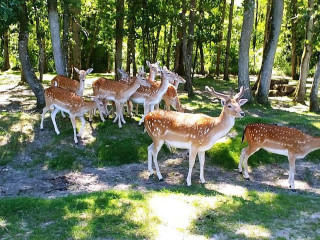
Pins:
x,y
119,36
202,63
254,39
93,40
6,65
266,37
270,50
294,25
40,36
27,68
243,62
188,43
76,47
169,47
305,59
226,60
65,35
55,37
314,103
220,37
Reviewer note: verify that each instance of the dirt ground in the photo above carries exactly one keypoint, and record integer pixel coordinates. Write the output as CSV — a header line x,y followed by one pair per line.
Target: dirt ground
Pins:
x,y
41,182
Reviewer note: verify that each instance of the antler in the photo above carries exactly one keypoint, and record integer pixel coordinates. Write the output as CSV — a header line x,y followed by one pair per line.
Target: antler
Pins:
x,y
240,94
216,94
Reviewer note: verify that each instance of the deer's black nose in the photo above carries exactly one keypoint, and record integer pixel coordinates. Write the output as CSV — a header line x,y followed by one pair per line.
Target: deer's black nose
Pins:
x,y
242,114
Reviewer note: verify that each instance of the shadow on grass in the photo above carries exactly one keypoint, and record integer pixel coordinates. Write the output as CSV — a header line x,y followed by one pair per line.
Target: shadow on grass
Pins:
x,y
109,214
259,215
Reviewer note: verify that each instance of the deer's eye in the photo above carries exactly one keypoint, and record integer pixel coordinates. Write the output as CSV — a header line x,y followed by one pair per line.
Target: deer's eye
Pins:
x,y
229,106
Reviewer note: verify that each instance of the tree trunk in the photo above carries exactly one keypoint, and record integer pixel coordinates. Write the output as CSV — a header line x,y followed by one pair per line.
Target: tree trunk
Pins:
x,y
270,50
55,37
27,68
243,62
305,59
226,60
254,39
76,47
6,65
65,35
119,36
93,41
294,24
40,36
156,45
220,37
266,37
169,47
202,70
188,43
314,103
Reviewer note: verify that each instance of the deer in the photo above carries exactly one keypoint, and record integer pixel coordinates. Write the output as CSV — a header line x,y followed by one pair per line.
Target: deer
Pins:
x,y
196,132
70,84
151,96
119,92
170,97
71,103
282,140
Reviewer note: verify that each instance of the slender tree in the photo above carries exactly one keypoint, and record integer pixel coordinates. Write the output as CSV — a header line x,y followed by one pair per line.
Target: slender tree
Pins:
x,y
65,35
226,59
254,39
314,102
27,67
246,32
119,35
270,50
55,37
294,25
6,65
188,42
305,59
220,38
76,46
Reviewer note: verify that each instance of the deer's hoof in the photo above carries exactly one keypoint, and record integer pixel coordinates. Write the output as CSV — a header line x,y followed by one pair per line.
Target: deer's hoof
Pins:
x,y
247,179
161,180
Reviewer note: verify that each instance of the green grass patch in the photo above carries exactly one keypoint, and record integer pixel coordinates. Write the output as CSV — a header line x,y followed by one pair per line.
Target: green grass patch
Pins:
x,y
135,215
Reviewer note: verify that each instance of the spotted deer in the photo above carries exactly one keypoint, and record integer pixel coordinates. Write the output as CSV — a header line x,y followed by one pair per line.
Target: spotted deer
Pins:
x,y
71,103
196,132
151,96
119,92
281,140
70,84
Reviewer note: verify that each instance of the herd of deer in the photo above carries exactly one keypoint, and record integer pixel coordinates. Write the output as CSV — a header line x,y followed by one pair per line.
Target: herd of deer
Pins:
x,y
195,132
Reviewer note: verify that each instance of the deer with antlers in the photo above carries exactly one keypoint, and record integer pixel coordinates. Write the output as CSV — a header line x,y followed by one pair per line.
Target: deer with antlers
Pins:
x,y
196,132
65,101
282,140
119,92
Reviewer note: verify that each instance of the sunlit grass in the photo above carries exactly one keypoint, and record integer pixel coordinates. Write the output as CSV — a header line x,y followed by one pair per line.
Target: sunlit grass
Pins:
x,y
157,215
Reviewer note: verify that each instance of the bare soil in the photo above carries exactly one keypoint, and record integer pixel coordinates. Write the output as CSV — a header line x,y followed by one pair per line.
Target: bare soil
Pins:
x,y
38,181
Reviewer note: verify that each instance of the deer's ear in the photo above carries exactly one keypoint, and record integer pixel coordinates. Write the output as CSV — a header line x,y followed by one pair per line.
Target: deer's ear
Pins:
x,y
148,63
223,102
89,70
242,101
77,70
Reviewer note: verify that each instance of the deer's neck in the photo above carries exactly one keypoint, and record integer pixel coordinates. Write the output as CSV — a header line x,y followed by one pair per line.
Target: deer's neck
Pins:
x,y
224,122
132,88
163,85
81,88
314,144
152,76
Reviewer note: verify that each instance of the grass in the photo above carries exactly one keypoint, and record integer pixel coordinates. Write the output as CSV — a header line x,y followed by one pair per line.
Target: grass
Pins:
x,y
135,215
